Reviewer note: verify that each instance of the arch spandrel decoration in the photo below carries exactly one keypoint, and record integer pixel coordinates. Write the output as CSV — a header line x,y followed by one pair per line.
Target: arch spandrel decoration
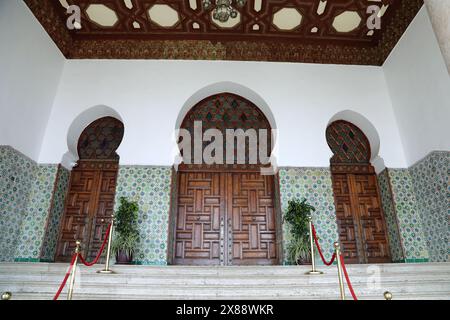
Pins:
x,y
348,143
228,111
101,139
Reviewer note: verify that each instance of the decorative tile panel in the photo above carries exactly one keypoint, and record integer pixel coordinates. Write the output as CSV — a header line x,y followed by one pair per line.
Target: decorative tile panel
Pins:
x,y
430,179
56,212
16,176
31,236
150,187
315,185
416,203
26,191
390,215
408,215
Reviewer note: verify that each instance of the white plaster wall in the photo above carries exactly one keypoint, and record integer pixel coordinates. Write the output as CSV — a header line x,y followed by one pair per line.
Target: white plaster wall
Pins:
x,y
149,95
419,87
30,70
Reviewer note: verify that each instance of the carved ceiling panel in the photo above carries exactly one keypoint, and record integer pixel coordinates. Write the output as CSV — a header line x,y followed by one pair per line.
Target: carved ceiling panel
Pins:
x,y
321,31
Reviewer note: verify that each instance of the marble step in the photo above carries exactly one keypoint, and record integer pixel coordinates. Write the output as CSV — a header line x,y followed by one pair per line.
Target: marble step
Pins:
x,y
399,289
405,281
126,279
24,296
205,271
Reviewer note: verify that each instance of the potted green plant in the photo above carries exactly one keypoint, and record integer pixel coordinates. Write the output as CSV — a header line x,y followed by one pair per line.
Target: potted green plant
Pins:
x,y
297,215
126,231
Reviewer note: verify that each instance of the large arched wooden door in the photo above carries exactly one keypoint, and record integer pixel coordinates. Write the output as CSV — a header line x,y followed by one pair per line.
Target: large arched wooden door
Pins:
x,y
225,214
90,199
361,224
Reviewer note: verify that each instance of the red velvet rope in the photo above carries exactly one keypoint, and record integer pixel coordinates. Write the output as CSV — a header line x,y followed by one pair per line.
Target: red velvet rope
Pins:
x,y
333,257
90,264
350,287
63,283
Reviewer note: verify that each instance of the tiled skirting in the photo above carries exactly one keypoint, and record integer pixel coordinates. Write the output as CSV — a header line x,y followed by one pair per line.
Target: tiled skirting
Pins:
x,y
150,187
313,184
415,201
31,203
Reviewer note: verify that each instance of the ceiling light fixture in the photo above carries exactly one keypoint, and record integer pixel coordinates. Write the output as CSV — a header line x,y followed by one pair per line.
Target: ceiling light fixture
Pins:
x,y
223,9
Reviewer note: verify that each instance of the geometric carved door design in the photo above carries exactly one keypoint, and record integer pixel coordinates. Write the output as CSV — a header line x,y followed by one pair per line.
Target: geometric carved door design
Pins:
x,y
225,212
90,199
225,218
361,224
89,207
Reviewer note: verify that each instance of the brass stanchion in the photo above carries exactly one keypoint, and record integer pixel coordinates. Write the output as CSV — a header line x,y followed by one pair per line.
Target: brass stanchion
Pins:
x,y
339,266
311,241
74,269
107,270
387,295
6,295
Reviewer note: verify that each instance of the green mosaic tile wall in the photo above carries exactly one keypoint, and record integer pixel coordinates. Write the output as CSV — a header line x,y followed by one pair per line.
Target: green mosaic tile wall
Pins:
x,y
416,203
56,213
25,206
16,176
419,199
395,244
32,231
408,215
25,202
150,186
315,185
430,179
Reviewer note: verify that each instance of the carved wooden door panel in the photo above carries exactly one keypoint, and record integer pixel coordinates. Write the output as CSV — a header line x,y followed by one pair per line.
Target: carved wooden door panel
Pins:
x,y
103,212
346,218
361,224
200,220
251,219
225,218
88,208
371,222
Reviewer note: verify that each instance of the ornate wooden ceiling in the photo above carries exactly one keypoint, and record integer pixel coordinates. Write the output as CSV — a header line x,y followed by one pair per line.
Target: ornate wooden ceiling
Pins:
x,y
316,31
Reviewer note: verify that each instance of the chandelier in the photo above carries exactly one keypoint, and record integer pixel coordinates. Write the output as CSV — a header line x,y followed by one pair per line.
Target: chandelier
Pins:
x,y
223,9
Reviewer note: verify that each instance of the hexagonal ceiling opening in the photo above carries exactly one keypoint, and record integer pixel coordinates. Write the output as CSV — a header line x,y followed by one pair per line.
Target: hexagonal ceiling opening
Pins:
x,y
265,30
102,15
287,19
347,21
163,15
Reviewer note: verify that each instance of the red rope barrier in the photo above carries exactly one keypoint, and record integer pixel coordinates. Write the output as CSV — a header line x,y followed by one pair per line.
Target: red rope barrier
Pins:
x,y
90,264
333,257
63,283
350,287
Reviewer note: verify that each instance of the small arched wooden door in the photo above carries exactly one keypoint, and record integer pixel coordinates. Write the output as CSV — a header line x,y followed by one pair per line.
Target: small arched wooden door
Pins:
x,y
90,199
361,224
225,213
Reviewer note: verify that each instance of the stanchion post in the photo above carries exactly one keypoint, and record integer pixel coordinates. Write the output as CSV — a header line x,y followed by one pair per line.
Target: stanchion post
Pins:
x,y
311,242
6,295
339,269
74,270
107,270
